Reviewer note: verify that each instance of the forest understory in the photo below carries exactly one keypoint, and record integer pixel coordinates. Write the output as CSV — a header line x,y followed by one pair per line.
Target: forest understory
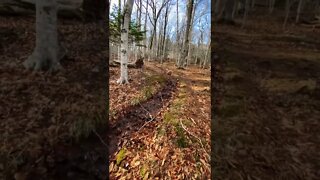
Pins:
x,y
267,124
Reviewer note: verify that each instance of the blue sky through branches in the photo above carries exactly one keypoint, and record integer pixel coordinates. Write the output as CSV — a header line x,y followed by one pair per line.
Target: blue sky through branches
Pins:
x,y
202,20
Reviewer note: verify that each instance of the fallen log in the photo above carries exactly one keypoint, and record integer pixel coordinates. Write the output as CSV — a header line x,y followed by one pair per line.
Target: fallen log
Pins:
x,y
137,64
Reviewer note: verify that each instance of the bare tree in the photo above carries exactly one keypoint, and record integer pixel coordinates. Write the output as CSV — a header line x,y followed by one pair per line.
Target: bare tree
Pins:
x,y
178,35
145,29
184,53
189,56
165,32
206,58
154,19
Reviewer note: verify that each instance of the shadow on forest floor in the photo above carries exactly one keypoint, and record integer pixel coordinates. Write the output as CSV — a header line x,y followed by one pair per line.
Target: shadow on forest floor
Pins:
x,y
268,118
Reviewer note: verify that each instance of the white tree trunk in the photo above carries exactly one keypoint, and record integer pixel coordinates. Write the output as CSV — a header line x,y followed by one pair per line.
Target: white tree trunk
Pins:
x,y
145,34
177,37
124,42
207,55
45,55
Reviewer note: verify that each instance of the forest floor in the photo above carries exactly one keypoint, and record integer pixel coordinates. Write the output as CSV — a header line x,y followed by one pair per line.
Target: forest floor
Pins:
x,y
43,115
267,124
160,123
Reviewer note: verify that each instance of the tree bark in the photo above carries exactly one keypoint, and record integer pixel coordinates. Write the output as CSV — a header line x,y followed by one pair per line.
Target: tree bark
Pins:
x,y
46,54
206,56
145,34
124,42
177,36
165,33
190,36
184,54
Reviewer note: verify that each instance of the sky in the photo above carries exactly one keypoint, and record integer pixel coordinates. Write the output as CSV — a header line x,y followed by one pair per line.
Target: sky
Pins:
x,y
203,22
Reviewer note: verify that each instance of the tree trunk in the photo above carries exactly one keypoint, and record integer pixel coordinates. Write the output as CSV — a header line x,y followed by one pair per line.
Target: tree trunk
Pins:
x,y
145,34
235,9
299,11
46,54
245,16
154,42
184,54
287,13
124,42
190,36
217,8
159,45
226,12
165,33
177,37
207,55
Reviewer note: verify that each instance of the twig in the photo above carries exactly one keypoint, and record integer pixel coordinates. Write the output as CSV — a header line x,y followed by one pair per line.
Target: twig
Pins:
x,y
146,111
95,132
193,121
145,124
194,136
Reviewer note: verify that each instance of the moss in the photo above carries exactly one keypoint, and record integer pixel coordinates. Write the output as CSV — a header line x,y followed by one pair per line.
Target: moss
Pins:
x,y
121,156
161,131
83,128
143,171
169,118
147,92
181,139
156,79
135,101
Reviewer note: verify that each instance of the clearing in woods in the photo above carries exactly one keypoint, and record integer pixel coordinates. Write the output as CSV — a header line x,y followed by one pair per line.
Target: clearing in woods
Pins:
x,y
160,123
268,121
